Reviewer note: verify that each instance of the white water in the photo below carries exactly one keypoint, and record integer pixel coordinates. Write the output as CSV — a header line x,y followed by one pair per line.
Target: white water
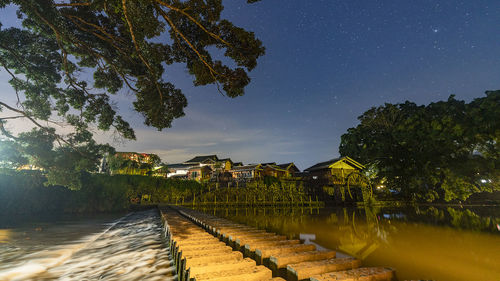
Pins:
x,y
130,248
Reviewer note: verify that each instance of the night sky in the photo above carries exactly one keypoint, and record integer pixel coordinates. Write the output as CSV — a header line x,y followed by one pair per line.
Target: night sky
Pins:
x,y
326,63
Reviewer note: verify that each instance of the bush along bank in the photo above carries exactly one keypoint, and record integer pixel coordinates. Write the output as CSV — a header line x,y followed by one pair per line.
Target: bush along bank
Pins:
x,y
26,192
267,191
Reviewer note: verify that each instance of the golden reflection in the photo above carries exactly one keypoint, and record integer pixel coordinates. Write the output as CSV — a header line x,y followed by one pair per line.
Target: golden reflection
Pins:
x,y
433,243
5,235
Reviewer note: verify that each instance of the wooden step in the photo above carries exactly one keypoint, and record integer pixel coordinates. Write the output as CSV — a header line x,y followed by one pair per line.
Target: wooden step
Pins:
x,y
256,273
201,246
241,241
263,253
266,243
304,270
214,267
206,252
281,261
213,258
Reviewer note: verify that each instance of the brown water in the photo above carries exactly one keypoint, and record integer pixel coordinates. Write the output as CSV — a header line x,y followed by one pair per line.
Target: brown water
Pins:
x,y
428,243
129,247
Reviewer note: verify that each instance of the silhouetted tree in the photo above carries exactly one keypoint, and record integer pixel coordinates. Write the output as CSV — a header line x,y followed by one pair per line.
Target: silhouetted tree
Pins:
x,y
125,46
446,150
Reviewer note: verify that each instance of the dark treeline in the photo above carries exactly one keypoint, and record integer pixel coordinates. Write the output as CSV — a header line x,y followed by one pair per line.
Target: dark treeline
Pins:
x,y
443,151
27,192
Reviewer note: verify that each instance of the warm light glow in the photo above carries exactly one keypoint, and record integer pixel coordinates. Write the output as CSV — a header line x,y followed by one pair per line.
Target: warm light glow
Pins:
x,y
5,235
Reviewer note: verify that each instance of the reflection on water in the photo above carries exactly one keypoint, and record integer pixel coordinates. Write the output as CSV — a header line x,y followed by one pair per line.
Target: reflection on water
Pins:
x,y
130,248
420,243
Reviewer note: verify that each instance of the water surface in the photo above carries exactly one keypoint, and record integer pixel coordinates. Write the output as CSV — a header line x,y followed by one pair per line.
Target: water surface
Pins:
x,y
429,243
130,247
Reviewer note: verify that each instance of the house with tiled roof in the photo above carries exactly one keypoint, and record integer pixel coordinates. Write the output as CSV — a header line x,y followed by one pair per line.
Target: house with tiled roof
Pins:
x,y
199,173
191,168
226,164
291,169
179,170
280,170
204,159
247,172
336,169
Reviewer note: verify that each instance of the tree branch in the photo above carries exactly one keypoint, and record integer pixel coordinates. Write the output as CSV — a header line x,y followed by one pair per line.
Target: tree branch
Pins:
x,y
58,137
215,36
12,117
174,27
131,30
72,4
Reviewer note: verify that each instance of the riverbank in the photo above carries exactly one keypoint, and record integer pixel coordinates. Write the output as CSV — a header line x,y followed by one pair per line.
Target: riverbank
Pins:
x,y
24,193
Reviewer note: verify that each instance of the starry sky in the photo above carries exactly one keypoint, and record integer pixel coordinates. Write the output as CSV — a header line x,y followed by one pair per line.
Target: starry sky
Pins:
x,y
326,63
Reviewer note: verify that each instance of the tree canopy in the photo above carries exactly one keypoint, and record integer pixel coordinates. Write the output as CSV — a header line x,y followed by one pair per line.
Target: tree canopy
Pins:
x,y
445,150
69,57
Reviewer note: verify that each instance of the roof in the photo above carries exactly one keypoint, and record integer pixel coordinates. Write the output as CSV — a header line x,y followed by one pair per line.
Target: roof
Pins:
x,y
327,164
275,167
200,168
350,162
199,159
179,166
321,165
286,165
237,164
246,168
225,160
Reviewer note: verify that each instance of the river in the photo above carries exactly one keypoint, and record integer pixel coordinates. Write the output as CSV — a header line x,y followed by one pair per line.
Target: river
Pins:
x,y
105,247
421,243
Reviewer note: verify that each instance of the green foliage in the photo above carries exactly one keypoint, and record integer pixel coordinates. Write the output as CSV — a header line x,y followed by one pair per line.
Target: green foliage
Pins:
x,y
28,192
10,157
443,151
130,163
267,190
124,46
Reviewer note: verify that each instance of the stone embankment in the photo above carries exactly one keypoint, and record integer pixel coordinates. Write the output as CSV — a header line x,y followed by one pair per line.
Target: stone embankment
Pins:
x,y
210,248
